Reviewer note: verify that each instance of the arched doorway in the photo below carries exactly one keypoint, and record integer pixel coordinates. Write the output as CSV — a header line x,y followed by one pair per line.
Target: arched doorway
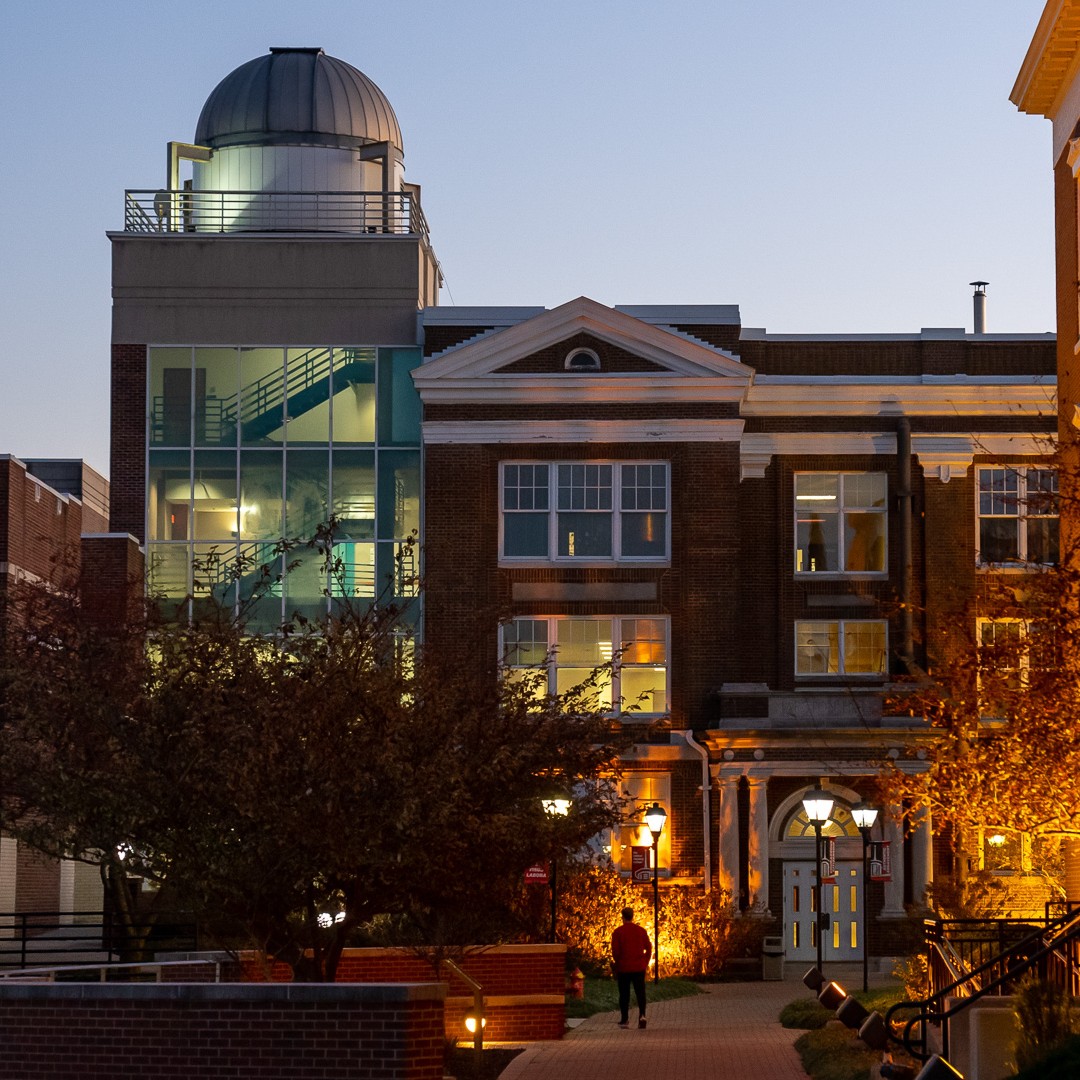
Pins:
x,y
841,900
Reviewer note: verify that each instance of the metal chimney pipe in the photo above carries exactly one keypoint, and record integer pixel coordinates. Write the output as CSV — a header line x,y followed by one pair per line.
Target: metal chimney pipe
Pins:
x,y
980,305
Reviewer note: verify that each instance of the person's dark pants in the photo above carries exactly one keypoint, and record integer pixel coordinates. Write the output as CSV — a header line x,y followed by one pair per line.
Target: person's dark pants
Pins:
x,y
626,979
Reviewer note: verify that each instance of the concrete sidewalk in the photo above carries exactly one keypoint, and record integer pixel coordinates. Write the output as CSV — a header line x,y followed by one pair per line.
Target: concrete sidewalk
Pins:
x,y
730,1032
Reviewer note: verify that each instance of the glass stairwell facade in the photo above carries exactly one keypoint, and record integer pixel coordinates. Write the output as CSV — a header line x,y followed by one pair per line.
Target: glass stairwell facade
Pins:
x,y
246,445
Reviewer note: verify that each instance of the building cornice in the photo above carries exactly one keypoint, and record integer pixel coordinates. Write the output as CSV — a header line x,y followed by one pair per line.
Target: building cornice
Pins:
x,y
1051,60
941,456
1026,396
471,432
564,389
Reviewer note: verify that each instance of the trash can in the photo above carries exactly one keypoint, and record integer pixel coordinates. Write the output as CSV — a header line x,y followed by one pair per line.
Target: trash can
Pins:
x,y
772,959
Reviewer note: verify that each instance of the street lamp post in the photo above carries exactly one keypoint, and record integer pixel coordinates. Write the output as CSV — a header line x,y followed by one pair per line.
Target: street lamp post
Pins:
x,y
655,817
818,805
555,807
864,815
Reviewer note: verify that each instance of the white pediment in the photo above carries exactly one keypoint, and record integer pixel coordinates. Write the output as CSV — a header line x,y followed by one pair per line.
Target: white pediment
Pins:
x,y
683,367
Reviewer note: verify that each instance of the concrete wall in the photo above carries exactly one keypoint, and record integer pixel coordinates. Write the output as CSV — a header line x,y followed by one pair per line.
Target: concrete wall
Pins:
x,y
287,290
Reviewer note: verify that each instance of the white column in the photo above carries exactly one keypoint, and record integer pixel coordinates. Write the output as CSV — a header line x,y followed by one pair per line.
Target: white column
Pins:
x,y
922,855
759,844
728,869
894,889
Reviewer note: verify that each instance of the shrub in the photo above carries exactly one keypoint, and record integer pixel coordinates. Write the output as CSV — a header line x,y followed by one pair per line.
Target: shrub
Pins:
x,y
1048,1020
699,931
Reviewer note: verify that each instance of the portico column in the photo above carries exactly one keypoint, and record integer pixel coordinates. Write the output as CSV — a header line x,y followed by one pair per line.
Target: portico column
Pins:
x,y
728,870
759,844
922,855
894,889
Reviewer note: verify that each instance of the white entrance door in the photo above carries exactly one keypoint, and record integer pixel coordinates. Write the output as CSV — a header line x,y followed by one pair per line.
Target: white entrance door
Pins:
x,y
842,901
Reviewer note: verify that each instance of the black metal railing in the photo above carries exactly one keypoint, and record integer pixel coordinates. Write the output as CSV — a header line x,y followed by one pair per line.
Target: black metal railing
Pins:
x,y
970,959
373,213
49,938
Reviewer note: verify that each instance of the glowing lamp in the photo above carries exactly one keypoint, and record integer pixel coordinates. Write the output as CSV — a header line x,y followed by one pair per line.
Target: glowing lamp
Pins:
x,y
818,805
655,817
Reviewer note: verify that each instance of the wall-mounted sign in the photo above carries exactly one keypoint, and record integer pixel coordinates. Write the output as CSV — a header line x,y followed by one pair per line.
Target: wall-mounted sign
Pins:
x,y
538,874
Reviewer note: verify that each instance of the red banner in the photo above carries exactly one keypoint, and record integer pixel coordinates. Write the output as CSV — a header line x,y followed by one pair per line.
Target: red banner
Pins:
x,y
827,870
640,870
880,862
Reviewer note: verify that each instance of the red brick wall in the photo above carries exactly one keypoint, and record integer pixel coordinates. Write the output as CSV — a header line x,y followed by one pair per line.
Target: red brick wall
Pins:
x,y
39,529
112,576
523,985
102,1032
127,451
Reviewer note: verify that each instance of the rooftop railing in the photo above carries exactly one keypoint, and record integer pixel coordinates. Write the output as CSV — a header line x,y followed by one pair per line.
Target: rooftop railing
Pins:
x,y
373,213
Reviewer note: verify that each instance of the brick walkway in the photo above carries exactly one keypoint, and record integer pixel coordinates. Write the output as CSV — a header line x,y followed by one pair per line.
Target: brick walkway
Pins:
x,y
729,1033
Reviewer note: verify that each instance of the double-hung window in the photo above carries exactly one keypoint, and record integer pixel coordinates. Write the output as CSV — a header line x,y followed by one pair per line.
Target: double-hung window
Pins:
x,y
840,523
841,647
568,650
585,511
1018,516
1014,651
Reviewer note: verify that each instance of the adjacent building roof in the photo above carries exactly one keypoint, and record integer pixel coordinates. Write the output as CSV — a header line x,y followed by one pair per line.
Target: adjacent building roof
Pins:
x,y
297,96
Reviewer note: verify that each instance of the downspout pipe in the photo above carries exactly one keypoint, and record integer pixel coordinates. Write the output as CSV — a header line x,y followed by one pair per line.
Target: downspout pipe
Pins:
x,y
903,495
706,803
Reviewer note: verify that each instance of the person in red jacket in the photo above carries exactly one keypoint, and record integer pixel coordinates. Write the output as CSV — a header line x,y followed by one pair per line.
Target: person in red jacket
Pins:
x,y
631,951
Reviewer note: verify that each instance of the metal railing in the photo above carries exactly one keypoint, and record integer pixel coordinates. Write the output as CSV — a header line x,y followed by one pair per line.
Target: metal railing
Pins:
x,y
1049,948
148,972
394,213
32,939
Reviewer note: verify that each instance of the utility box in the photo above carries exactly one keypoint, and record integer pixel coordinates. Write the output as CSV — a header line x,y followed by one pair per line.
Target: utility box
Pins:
x,y
772,959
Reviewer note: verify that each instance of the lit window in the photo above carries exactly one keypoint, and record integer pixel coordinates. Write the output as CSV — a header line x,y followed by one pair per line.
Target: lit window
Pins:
x,y
1018,516
585,511
840,523
840,647
640,792
571,649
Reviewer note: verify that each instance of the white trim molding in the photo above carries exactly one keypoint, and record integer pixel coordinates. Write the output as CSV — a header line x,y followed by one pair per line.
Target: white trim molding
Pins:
x,y
945,456
941,456
759,448
579,431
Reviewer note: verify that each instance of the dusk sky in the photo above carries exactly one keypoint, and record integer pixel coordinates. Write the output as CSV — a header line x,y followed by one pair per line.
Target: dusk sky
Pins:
x,y
838,166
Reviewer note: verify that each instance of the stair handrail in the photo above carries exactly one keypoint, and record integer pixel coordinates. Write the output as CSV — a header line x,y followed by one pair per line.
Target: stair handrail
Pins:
x,y
1062,930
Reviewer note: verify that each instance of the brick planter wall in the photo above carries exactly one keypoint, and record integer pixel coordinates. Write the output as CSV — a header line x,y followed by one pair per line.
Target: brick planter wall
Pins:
x,y
192,1032
524,985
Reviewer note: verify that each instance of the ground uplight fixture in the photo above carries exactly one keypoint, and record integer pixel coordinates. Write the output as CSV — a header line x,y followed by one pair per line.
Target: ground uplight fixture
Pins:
x,y
818,805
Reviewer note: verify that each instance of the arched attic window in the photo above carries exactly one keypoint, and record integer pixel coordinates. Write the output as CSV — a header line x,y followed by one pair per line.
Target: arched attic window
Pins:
x,y
582,360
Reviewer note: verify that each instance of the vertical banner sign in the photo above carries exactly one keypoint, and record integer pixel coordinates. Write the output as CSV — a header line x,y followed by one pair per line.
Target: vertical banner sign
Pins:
x,y
827,870
640,870
880,861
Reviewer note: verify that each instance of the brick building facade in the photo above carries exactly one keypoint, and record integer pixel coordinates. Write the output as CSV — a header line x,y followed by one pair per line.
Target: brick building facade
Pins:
x,y
761,533
51,510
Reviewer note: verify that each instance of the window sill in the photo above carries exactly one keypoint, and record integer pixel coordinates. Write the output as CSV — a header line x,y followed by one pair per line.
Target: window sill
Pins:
x,y
841,575
1014,568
